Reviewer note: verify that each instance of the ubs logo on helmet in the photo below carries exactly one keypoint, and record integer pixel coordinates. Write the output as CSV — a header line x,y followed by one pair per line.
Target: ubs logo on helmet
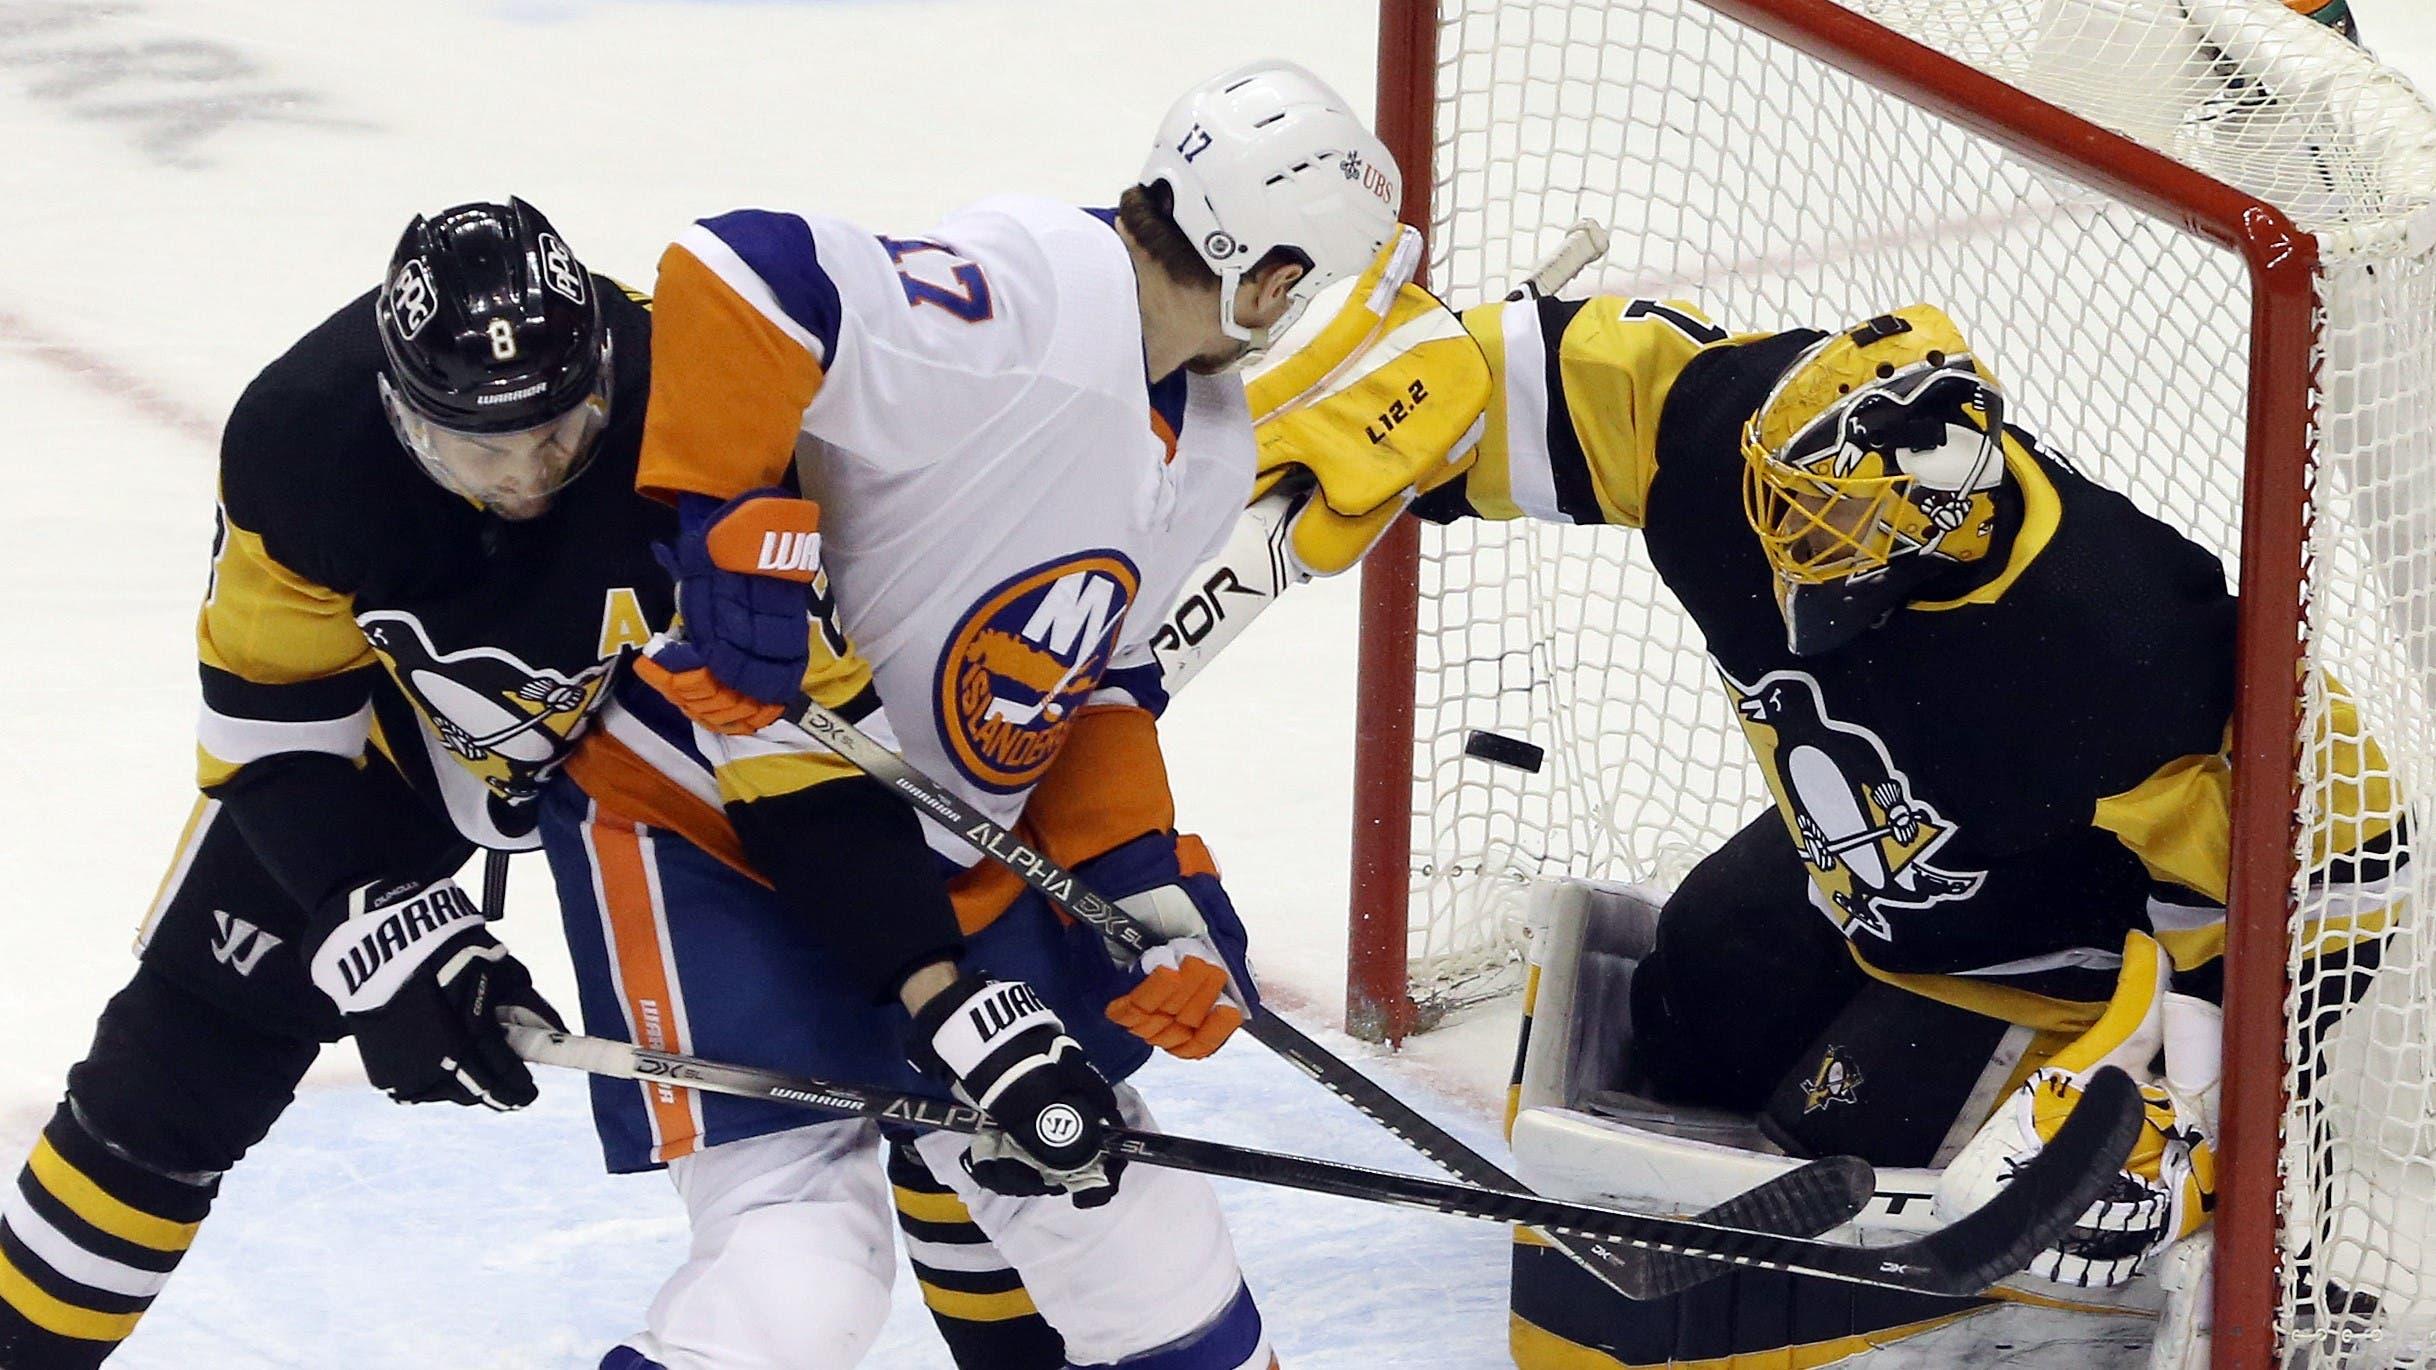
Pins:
x,y
1373,178
413,299
1026,654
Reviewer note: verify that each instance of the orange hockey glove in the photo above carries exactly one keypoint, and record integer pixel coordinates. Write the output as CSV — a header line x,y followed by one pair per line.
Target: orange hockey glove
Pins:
x,y
1197,988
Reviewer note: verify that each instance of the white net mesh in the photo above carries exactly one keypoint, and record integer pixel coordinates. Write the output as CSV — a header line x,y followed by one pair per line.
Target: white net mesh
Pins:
x,y
1774,191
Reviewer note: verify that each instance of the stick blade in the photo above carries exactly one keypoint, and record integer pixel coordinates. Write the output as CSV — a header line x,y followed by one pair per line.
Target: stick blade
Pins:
x,y
2041,1201
1807,1201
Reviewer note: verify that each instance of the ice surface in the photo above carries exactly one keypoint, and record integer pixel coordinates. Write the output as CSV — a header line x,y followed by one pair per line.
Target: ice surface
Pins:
x,y
189,185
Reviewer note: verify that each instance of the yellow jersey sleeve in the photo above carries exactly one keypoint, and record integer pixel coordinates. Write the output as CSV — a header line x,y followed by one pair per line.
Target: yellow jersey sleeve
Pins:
x,y
1572,424
2179,823
285,667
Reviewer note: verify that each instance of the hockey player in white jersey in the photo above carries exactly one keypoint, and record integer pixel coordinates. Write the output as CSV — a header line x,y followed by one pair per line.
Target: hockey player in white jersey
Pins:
x,y
964,459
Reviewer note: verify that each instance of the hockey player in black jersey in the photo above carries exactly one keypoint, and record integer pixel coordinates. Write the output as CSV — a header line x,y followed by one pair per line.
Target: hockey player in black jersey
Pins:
x,y
1990,699
429,555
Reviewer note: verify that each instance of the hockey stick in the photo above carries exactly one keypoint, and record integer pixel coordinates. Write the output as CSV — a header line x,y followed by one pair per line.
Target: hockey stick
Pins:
x,y
1805,1201
494,885
2029,1214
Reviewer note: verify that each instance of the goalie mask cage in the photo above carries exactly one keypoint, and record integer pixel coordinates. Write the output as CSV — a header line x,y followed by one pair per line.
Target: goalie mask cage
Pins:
x,y
2196,238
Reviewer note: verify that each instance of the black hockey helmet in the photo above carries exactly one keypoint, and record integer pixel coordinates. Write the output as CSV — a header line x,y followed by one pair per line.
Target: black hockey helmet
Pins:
x,y
497,356
489,321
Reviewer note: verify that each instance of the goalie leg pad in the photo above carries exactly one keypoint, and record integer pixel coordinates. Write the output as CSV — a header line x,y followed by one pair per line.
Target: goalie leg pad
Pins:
x,y
1885,1081
1744,976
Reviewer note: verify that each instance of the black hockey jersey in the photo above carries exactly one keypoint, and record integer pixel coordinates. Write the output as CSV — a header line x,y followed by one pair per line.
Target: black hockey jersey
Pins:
x,y
354,604
1997,783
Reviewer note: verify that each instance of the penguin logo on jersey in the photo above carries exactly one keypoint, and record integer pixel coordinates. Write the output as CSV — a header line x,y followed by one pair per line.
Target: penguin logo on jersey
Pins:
x,y
1026,654
1864,836
506,720
1836,1081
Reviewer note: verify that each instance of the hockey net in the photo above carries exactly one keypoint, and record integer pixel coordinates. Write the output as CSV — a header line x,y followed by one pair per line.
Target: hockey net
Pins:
x,y
1796,162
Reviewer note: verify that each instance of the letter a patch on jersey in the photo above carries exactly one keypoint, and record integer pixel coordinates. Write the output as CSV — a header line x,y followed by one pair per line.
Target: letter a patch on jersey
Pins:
x,y
1024,656
1864,837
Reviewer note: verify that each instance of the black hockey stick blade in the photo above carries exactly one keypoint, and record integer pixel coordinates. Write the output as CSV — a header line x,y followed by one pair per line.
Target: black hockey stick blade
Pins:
x,y
1810,1200
1803,1202
2043,1199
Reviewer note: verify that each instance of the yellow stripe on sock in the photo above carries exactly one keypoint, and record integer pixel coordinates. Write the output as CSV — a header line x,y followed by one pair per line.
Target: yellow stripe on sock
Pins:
x,y
95,1205
55,1317
951,1303
931,1208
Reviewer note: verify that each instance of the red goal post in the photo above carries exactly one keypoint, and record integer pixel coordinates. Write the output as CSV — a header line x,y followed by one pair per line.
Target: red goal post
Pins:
x,y
1422,109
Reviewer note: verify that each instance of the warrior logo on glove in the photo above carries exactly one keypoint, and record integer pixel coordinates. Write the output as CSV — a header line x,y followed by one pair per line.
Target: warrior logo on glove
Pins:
x,y
1027,655
1864,836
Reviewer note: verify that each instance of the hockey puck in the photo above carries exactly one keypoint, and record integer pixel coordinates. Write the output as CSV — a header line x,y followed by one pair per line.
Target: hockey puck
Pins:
x,y
1505,751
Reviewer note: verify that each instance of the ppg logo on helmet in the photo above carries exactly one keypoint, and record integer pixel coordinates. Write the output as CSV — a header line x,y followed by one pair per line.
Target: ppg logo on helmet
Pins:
x,y
1059,1125
1220,244
559,270
413,299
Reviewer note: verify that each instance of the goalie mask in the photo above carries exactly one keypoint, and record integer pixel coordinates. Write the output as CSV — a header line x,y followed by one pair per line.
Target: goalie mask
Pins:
x,y
1871,466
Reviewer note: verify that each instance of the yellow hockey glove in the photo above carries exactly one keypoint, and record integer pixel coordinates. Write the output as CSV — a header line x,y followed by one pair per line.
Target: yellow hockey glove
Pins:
x,y
1378,403
2168,1186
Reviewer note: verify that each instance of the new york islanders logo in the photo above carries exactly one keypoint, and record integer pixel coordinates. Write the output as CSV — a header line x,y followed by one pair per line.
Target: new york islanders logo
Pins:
x,y
1866,839
1026,654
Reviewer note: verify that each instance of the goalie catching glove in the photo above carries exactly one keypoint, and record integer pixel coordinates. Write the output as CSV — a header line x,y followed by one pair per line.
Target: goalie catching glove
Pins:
x,y
421,982
1196,986
997,1047
2168,1187
1378,404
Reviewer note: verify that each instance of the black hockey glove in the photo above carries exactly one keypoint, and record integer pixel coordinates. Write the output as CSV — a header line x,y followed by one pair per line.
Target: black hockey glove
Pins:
x,y
420,982
1000,1049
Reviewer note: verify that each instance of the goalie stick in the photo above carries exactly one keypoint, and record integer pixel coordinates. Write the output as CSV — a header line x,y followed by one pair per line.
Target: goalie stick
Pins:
x,y
1803,1202
1960,1260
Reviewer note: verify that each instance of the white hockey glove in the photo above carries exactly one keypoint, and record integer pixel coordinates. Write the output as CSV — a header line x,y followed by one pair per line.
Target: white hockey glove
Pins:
x,y
2167,1188
1000,1049
420,982
1377,404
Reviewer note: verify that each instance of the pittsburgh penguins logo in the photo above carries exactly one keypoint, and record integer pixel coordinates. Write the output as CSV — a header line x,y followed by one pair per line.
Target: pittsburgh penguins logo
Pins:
x,y
509,722
1836,1081
1026,654
1865,837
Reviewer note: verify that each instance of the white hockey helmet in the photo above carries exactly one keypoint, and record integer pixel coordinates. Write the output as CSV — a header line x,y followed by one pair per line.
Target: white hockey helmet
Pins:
x,y
1268,156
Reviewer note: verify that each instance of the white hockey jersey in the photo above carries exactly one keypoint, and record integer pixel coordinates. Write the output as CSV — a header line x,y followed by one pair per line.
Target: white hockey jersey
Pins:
x,y
1001,487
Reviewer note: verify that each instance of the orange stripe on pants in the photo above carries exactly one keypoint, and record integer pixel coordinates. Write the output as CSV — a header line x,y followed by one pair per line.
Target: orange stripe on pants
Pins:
x,y
644,977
